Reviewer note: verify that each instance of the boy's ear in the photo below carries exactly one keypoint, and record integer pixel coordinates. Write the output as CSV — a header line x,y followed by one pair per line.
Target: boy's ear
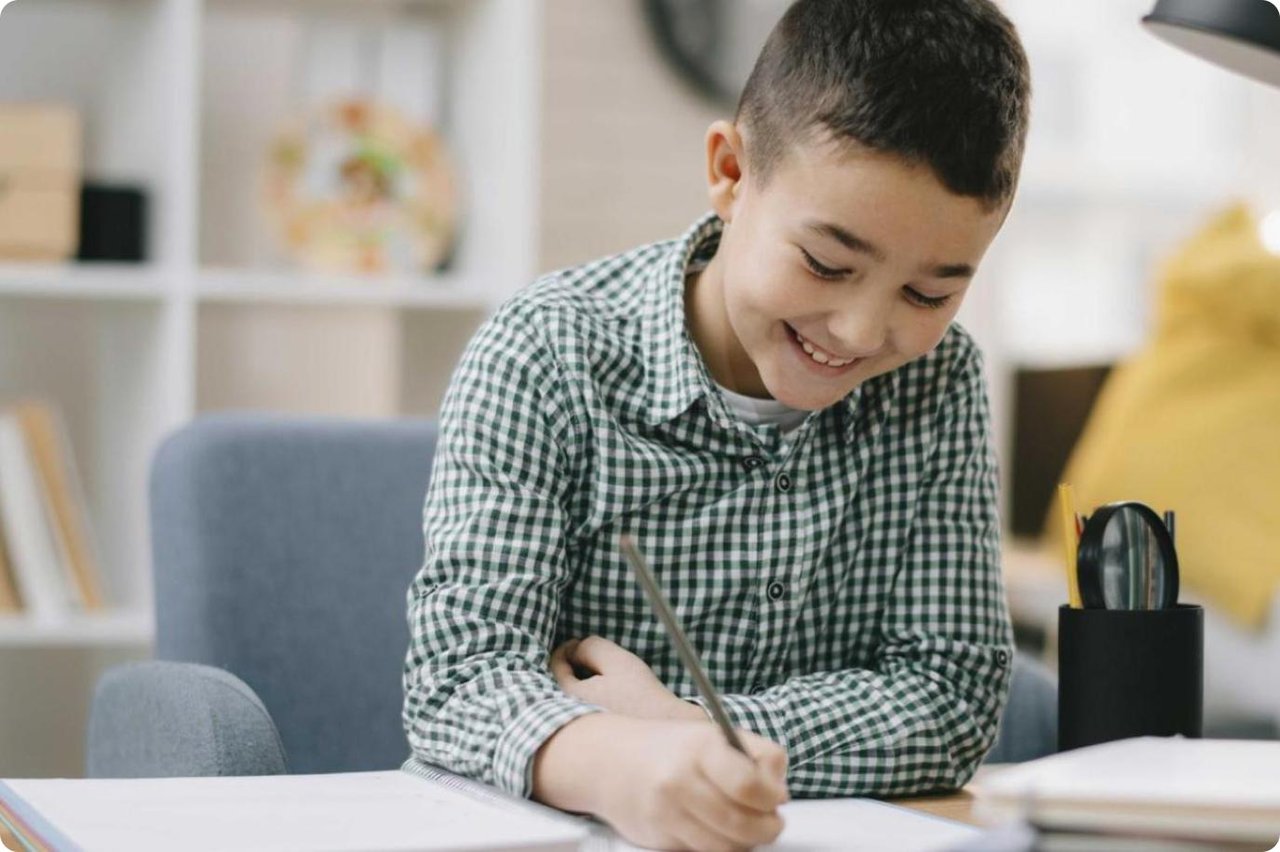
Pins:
x,y
725,168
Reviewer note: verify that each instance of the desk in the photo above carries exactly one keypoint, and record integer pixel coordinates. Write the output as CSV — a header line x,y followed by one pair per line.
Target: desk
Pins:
x,y
957,806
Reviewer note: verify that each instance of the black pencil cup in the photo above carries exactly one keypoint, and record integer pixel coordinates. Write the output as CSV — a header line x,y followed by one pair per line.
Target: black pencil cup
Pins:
x,y
1129,673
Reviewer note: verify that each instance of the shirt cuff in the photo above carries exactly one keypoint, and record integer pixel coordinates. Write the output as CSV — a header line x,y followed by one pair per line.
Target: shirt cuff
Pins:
x,y
699,705
519,742
759,714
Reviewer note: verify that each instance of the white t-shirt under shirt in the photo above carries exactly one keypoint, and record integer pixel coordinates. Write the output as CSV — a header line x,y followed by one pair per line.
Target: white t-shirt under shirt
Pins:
x,y
758,412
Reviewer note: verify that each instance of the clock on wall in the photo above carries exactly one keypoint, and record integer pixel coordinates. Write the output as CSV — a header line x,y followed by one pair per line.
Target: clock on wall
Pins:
x,y
712,44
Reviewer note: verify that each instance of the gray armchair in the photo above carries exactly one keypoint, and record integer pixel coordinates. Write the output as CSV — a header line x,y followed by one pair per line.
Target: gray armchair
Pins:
x,y
283,549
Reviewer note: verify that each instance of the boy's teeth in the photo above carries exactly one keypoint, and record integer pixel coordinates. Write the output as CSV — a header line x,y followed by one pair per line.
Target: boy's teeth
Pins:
x,y
820,357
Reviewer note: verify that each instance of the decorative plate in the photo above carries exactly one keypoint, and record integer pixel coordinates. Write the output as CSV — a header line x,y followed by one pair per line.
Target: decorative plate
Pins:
x,y
355,187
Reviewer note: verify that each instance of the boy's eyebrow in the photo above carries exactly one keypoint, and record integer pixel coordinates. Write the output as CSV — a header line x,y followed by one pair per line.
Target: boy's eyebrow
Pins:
x,y
855,243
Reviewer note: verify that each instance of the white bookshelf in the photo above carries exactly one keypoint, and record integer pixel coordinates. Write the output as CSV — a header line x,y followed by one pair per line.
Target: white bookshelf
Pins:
x,y
182,97
123,628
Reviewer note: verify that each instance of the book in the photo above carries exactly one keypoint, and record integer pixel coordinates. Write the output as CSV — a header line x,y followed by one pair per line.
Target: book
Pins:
x,y
63,495
1159,787
9,600
35,563
418,807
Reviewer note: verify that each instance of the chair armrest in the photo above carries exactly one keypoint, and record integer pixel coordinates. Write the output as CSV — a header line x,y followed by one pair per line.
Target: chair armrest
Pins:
x,y
166,719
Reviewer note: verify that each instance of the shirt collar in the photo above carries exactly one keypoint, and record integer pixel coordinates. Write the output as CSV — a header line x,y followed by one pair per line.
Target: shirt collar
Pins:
x,y
677,374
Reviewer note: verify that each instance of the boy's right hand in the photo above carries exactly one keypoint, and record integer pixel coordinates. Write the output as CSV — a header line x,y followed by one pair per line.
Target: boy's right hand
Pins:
x,y
680,785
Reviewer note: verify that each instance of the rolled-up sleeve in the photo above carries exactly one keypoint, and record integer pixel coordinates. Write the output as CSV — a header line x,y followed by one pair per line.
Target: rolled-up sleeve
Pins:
x,y
479,696
923,714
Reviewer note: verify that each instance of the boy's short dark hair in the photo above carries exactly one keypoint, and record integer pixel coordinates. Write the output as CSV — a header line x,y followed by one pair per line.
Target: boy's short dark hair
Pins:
x,y
939,82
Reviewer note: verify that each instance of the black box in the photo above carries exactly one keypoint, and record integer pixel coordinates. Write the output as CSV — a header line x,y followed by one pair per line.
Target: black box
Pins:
x,y
112,223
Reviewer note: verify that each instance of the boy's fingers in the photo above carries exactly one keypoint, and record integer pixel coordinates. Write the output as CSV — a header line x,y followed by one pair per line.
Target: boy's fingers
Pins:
x,y
693,833
769,755
595,652
747,826
739,777
560,666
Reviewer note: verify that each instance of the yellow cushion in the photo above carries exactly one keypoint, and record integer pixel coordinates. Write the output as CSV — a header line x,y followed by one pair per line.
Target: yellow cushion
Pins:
x,y
1192,422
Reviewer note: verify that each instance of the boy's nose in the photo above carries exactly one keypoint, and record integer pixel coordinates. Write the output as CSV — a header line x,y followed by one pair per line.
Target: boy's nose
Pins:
x,y
861,332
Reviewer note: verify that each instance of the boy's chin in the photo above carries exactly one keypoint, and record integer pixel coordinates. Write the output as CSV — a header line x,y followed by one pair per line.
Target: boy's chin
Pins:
x,y
806,399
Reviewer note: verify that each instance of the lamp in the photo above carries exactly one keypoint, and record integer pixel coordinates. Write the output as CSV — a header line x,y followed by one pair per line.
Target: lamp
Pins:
x,y
1239,35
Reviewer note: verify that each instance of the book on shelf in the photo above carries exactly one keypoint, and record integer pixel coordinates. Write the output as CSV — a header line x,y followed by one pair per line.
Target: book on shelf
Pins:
x,y
9,600
65,504
49,550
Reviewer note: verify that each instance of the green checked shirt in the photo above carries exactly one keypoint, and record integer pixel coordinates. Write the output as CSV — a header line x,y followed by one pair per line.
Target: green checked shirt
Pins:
x,y
840,582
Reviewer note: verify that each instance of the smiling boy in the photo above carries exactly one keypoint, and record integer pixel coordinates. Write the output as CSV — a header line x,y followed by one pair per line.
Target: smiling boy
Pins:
x,y
780,409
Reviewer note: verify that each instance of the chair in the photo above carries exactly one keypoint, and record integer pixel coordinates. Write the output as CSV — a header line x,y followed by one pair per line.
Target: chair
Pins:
x,y
283,550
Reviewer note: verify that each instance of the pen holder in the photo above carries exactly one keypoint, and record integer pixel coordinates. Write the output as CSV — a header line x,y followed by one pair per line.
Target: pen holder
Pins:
x,y
1129,673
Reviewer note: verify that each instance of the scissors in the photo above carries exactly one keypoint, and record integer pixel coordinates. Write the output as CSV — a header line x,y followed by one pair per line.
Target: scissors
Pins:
x,y
1127,559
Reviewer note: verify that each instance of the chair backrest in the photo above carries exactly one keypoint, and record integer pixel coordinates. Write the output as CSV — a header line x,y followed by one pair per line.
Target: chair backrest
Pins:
x,y
283,550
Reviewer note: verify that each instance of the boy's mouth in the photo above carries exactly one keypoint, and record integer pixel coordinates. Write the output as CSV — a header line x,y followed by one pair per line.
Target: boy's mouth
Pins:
x,y
816,358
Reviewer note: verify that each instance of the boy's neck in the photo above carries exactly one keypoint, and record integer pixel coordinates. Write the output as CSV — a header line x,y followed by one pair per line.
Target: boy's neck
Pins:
x,y
713,336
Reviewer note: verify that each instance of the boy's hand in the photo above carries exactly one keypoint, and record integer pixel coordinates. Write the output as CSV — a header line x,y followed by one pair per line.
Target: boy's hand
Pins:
x,y
617,680
682,786
665,784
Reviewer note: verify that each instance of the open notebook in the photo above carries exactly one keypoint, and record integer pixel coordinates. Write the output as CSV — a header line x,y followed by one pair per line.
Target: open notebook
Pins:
x,y
417,808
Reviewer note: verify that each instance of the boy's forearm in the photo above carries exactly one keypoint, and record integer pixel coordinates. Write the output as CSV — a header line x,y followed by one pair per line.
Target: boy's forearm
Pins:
x,y
567,768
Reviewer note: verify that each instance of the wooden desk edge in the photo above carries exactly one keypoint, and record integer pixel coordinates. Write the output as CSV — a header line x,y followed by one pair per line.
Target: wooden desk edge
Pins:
x,y
957,806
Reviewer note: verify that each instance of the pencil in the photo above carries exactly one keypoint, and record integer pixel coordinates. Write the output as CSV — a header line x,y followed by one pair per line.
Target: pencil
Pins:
x,y
676,634
1070,541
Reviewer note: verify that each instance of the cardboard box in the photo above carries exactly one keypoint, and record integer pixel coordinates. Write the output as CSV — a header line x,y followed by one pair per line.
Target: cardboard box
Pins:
x,y
40,170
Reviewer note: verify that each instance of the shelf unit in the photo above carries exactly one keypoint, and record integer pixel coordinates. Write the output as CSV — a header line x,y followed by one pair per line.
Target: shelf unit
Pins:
x,y
183,97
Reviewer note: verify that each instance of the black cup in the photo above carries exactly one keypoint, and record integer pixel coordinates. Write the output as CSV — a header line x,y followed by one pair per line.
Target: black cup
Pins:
x,y
1129,673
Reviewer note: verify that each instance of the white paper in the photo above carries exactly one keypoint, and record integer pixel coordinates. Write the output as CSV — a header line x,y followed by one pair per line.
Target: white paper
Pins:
x,y
857,825
320,813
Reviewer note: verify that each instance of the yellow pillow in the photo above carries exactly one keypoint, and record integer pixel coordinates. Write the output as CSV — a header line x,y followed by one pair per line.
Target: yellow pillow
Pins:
x,y
1192,422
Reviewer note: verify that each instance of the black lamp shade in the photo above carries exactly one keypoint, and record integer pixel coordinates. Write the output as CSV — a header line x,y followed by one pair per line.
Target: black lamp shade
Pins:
x,y
1240,35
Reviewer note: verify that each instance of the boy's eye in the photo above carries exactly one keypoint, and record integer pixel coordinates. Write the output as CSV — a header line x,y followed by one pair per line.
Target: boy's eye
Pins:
x,y
820,270
926,301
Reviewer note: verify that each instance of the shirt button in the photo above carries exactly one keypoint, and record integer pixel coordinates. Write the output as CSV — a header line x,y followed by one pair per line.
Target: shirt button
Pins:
x,y
777,590
1002,658
752,462
783,482
757,689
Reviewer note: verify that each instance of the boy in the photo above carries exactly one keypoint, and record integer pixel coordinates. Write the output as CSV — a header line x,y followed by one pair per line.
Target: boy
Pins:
x,y
778,407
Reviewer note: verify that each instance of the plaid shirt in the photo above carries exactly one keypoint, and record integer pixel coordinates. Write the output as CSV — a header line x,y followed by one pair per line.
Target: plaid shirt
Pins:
x,y
841,583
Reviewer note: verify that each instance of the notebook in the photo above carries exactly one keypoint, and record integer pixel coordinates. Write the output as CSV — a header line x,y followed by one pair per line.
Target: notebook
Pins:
x,y
1225,790
420,807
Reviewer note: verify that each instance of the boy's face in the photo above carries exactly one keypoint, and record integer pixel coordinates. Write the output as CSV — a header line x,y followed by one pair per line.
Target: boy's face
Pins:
x,y
847,264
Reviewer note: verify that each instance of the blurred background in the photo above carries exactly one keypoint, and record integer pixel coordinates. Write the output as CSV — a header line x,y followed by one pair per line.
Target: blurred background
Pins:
x,y
308,206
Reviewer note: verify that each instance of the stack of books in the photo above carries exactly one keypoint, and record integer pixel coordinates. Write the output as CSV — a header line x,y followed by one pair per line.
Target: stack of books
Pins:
x,y
1145,793
48,567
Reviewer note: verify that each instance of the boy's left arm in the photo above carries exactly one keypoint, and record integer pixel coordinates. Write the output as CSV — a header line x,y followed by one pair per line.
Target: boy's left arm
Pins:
x,y
926,714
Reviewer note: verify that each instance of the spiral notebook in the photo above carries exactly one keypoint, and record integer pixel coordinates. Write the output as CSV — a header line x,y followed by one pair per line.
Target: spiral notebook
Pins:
x,y
419,807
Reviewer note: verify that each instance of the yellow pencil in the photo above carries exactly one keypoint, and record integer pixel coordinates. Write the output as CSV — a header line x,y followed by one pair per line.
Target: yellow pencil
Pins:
x,y
1067,507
